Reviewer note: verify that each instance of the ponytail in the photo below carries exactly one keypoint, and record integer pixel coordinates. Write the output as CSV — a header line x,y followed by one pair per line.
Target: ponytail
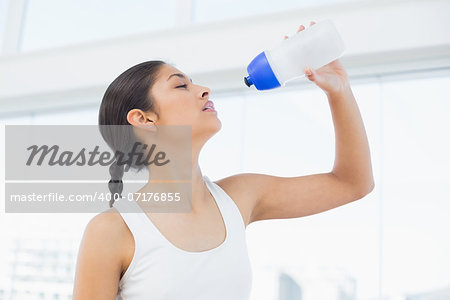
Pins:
x,y
115,184
130,90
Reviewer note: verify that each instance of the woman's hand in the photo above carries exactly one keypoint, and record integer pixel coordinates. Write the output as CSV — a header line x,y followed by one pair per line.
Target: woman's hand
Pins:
x,y
331,78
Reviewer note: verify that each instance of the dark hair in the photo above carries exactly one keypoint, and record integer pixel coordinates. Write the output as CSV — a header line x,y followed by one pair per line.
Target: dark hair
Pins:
x,y
130,90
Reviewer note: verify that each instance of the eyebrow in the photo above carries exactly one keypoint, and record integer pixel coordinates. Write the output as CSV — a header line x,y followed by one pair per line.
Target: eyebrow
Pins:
x,y
179,75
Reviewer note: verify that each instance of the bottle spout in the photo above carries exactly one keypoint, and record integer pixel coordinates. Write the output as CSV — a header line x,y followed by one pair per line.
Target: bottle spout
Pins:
x,y
260,74
248,81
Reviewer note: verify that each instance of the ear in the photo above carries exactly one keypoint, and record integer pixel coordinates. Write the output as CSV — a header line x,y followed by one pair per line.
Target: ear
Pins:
x,y
142,120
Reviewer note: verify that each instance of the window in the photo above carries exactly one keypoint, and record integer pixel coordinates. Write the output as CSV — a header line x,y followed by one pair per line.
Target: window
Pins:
x,y
391,243
3,12
56,23
213,10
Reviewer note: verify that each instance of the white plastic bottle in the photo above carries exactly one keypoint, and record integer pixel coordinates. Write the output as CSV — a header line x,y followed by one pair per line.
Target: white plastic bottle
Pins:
x,y
314,47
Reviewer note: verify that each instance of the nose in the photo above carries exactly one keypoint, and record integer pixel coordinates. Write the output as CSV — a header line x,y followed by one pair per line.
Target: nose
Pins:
x,y
205,92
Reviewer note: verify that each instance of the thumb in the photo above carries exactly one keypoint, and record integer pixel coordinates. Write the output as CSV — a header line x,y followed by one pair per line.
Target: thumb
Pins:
x,y
310,73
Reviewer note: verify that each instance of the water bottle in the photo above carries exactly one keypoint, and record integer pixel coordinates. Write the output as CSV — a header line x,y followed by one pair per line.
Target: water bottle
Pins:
x,y
312,47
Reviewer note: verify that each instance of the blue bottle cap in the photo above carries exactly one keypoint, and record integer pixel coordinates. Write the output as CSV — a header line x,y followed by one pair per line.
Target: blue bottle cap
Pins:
x,y
261,74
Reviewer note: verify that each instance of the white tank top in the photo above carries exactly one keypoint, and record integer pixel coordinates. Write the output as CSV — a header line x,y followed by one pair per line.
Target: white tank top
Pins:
x,y
160,270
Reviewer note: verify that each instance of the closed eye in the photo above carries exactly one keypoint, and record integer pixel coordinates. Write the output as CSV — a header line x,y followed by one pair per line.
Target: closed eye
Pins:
x,y
182,86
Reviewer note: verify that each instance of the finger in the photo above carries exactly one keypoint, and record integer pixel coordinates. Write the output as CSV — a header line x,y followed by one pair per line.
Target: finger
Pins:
x,y
300,28
285,37
312,23
309,72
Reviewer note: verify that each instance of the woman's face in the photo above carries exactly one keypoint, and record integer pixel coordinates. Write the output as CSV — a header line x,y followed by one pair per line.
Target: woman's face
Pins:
x,y
181,102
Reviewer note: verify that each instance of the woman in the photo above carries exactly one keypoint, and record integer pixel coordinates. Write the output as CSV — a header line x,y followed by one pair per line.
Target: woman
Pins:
x,y
202,254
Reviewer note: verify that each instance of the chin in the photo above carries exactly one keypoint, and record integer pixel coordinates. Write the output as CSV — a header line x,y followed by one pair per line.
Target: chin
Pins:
x,y
218,126
208,129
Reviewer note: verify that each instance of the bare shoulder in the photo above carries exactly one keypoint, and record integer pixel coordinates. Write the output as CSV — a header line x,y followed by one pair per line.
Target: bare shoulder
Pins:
x,y
110,227
240,187
103,255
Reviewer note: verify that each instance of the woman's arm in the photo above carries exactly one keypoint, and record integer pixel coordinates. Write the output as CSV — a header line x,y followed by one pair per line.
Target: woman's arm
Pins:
x,y
352,162
262,196
350,179
100,258
271,197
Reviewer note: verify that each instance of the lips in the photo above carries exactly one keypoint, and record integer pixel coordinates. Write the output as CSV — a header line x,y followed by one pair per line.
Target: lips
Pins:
x,y
209,105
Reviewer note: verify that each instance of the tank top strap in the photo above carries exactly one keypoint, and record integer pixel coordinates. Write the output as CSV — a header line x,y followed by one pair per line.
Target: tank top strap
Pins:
x,y
131,214
228,207
137,221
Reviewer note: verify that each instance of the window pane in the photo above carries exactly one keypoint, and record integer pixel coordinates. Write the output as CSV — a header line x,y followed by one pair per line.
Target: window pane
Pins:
x,y
330,255
222,154
213,10
39,250
3,13
416,187
54,23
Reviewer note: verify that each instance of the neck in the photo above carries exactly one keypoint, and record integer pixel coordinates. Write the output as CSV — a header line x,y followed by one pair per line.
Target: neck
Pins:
x,y
200,191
